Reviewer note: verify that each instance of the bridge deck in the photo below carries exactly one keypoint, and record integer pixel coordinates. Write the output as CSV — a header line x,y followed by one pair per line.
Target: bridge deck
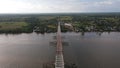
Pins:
x,y
59,60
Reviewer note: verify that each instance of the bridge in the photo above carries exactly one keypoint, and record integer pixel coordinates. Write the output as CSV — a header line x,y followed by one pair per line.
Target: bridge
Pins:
x,y
59,60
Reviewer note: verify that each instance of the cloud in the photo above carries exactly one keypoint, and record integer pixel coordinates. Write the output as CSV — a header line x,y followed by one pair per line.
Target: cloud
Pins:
x,y
107,2
51,6
7,6
104,6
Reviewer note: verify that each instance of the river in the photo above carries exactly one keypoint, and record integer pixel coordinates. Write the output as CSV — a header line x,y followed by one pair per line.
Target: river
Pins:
x,y
84,50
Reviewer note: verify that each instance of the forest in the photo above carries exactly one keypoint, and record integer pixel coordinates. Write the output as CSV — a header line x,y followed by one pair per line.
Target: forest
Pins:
x,y
81,22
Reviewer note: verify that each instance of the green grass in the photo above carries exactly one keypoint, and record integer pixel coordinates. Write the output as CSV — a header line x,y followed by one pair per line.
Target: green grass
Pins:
x,y
66,18
51,26
47,17
12,25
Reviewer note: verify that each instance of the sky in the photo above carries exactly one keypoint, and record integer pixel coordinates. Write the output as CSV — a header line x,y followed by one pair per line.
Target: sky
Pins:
x,y
58,6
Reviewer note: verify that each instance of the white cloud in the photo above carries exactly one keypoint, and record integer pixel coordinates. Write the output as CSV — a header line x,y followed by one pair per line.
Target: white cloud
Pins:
x,y
104,3
7,6
44,6
103,6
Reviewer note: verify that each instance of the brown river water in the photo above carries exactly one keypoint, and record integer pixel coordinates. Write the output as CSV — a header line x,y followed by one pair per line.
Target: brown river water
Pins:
x,y
88,50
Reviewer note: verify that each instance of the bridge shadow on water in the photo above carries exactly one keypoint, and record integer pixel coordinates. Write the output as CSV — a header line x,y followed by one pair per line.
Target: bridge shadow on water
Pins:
x,y
71,65
67,65
48,65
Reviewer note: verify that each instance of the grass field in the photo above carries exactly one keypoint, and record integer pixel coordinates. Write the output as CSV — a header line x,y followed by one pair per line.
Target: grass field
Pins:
x,y
66,18
5,26
47,17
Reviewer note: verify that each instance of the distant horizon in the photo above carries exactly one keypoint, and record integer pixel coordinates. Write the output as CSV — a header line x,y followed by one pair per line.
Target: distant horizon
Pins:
x,y
61,13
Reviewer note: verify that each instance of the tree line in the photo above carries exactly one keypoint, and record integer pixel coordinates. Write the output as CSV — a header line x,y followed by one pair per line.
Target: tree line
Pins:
x,y
48,23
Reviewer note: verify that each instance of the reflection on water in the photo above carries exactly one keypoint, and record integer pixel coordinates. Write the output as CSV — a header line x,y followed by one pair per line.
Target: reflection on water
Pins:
x,y
85,50
93,50
26,50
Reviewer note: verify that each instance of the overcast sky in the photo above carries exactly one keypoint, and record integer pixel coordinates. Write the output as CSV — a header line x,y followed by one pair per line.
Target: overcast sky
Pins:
x,y
58,6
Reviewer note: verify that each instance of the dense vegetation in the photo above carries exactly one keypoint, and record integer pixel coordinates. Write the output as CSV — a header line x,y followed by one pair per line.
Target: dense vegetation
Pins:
x,y
13,27
16,23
